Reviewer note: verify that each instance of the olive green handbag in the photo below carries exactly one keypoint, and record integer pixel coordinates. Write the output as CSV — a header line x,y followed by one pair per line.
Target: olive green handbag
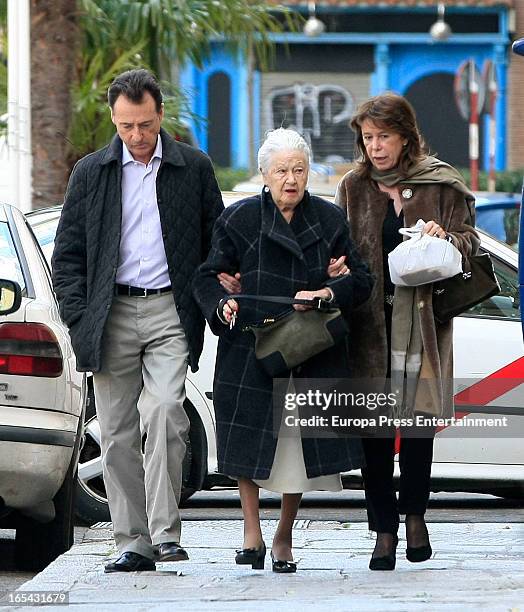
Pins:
x,y
288,340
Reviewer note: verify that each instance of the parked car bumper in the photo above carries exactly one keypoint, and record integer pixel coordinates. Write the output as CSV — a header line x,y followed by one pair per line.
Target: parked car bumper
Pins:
x,y
36,447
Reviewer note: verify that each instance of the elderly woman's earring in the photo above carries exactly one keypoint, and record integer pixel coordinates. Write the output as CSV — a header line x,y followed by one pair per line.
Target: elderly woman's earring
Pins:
x,y
266,188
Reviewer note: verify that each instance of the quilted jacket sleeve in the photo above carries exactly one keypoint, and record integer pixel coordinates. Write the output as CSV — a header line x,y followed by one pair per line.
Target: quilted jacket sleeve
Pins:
x,y
206,287
69,255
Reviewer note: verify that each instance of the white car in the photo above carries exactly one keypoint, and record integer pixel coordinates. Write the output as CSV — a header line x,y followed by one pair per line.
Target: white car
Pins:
x,y
489,364
42,399
487,338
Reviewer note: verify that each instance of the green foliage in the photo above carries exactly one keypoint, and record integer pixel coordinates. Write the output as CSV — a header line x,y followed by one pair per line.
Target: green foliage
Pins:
x,y
505,180
181,30
3,86
91,126
105,53
228,177
157,34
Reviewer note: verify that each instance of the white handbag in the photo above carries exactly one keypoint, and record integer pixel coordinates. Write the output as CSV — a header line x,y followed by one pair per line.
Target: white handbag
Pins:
x,y
423,259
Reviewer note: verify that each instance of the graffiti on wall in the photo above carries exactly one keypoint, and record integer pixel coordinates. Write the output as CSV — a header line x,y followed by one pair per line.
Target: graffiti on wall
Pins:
x,y
320,113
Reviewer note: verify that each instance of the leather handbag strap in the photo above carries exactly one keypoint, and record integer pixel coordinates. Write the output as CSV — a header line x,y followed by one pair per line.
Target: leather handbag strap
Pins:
x,y
318,303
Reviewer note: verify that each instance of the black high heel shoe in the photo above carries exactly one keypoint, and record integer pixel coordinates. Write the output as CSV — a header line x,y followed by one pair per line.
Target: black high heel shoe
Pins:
x,y
418,554
386,562
282,567
252,556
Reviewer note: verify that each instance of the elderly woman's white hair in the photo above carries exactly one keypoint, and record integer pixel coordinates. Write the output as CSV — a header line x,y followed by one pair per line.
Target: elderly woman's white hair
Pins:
x,y
279,140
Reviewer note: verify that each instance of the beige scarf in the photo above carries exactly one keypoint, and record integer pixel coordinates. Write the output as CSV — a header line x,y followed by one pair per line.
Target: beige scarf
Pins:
x,y
429,170
406,335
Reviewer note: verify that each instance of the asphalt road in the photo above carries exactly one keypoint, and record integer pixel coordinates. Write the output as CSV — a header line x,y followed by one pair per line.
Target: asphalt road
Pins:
x,y
10,577
346,506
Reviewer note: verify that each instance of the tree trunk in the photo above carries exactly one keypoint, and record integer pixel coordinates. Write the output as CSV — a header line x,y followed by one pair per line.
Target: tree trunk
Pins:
x,y
53,46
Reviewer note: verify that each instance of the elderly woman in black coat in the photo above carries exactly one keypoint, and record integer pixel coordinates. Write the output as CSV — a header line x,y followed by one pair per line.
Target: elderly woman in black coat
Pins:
x,y
281,242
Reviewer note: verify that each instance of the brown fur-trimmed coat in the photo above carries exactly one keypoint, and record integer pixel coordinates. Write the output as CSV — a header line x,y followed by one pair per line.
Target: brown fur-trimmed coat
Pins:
x,y
366,208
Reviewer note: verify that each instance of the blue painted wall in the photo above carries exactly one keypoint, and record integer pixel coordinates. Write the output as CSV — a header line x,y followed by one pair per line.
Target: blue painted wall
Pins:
x,y
400,60
195,82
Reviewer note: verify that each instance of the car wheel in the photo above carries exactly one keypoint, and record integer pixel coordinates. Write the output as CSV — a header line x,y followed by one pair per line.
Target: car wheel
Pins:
x,y
38,544
91,497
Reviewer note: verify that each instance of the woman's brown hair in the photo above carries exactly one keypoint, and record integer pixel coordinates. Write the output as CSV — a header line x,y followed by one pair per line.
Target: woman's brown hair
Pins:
x,y
392,112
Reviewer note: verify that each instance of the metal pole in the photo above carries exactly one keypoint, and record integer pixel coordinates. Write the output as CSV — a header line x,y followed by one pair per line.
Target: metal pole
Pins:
x,y
473,128
19,102
492,92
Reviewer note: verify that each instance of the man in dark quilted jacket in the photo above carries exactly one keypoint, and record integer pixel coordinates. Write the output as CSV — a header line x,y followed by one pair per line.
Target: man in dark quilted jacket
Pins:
x,y
136,224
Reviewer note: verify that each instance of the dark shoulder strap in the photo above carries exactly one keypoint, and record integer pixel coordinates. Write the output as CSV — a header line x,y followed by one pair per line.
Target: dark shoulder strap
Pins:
x,y
276,299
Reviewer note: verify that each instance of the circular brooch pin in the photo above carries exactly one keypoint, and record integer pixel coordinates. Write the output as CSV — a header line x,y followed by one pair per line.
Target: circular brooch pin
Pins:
x,y
407,193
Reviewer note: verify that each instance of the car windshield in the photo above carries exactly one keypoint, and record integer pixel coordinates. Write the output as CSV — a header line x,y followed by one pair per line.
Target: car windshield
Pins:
x,y
45,232
10,267
501,223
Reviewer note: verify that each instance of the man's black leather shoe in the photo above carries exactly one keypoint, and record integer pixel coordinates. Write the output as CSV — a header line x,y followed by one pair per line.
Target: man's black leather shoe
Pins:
x,y
171,551
130,562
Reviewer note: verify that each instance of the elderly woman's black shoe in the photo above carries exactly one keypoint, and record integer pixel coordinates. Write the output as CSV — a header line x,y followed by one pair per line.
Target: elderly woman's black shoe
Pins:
x,y
385,562
416,529
252,556
283,567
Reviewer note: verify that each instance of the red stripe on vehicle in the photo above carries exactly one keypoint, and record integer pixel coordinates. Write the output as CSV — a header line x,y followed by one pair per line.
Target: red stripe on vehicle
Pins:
x,y
484,391
496,384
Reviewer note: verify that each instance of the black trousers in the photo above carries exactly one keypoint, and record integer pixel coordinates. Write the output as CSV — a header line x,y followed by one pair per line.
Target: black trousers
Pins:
x,y
415,458
416,455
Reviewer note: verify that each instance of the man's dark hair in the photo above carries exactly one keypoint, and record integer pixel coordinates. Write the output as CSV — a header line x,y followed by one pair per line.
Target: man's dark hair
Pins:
x,y
133,84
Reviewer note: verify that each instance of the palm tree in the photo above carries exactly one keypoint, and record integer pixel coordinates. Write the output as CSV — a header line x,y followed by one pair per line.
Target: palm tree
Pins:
x,y
160,35
181,30
78,46
54,38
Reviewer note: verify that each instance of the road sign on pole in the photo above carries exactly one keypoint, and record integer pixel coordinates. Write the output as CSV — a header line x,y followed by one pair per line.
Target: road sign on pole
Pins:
x,y
466,71
489,74
469,95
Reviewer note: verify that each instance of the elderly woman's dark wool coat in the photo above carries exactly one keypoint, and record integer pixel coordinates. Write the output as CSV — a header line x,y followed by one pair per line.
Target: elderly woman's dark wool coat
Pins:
x,y
274,258
366,206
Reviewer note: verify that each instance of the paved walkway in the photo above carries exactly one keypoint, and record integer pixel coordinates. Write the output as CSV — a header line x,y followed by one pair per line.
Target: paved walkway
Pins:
x,y
477,566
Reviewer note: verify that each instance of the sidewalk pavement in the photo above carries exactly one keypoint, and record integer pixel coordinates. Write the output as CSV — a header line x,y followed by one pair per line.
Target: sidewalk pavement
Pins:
x,y
475,566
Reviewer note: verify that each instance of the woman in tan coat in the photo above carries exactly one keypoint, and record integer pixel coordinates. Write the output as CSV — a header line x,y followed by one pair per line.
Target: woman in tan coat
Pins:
x,y
393,185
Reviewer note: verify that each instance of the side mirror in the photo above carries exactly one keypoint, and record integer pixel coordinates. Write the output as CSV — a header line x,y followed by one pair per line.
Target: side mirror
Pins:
x,y
10,296
518,46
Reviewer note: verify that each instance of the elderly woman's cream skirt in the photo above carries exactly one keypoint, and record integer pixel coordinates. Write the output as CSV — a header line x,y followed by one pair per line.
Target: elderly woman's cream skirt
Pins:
x,y
288,473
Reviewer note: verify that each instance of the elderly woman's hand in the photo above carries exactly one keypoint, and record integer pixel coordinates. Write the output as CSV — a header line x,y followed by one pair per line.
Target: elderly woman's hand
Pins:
x,y
325,294
337,267
229,312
